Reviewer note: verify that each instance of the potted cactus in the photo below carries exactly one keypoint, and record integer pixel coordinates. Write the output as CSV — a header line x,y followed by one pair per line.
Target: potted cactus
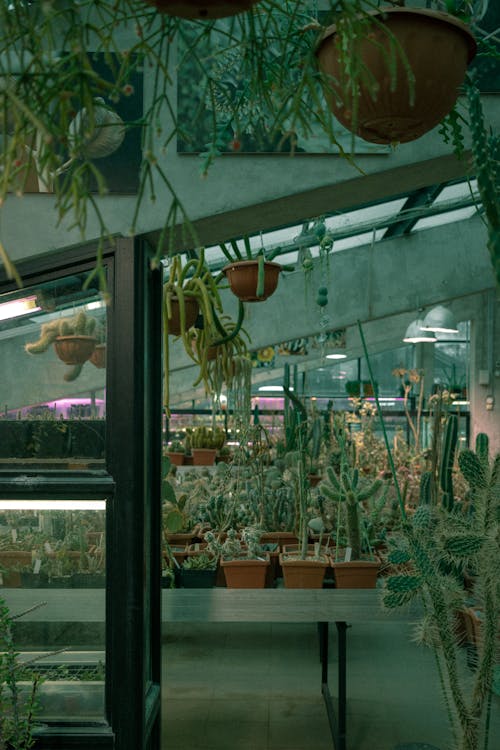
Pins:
x,y
243,559
176,452
74,339
358,568
205,442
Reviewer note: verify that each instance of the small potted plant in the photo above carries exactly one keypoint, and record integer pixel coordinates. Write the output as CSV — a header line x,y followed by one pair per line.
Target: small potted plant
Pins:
x,y
243,560
205,442
175,452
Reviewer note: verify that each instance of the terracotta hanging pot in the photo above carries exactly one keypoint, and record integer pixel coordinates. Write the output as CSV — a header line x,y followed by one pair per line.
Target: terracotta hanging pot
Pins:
x,y
98,356
191,308
243,278
202,8
435,46
74,350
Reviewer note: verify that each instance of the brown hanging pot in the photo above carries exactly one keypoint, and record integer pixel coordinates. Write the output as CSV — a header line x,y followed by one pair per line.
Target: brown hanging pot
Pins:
x,y
191,310
98,356
74,350
398,46
243,278
202,8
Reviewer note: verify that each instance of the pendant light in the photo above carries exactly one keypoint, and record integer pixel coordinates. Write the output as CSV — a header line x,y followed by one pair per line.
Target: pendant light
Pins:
x,y
416,335
440,319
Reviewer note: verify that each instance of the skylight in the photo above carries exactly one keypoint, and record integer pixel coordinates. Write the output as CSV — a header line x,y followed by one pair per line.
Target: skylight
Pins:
x,y
447,217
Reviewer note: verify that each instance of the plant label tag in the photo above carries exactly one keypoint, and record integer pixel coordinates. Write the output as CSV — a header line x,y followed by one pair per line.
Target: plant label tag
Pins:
x,y
348,553
37,565
14,535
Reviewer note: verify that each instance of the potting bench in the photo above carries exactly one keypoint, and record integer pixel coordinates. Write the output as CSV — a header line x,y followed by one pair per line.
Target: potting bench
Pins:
x,y
345,607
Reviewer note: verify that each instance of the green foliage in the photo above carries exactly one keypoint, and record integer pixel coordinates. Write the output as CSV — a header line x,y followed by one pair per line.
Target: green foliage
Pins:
x,y
205,437
17,712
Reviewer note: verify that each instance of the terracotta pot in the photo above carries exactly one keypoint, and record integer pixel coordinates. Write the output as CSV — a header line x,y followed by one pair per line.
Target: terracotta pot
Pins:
x,y
303,574
243,275
191,309
98,356
245,574
74,350
357,574
11,561
203,456
176,459
202,8
437,48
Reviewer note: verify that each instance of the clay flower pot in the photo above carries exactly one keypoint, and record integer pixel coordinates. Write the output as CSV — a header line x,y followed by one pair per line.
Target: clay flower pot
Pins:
x,y
303,574
202,8
245,574
243,277
357,574
98,356
191,309
204,456
74,350
434,46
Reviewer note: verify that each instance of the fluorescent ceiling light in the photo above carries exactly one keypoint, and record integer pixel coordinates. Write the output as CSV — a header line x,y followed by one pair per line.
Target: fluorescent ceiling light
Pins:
x,y
460,403
440,319
52,504
336,356
272,388
18,307
416,335
95,305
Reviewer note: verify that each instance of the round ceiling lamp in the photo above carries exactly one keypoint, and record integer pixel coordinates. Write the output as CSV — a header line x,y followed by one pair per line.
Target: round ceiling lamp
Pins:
x,y
440,319
416,335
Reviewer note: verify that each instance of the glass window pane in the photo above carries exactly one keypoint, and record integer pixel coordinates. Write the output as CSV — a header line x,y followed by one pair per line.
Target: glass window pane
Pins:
x,y
52,563
53,386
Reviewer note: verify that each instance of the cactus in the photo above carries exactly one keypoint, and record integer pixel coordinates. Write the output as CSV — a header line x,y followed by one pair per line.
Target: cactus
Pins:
x,y
437,547
425,493
345,487
448,448
79,325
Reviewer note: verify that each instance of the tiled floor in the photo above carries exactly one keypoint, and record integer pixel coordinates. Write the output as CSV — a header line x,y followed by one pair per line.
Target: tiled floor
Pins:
x,y
257,687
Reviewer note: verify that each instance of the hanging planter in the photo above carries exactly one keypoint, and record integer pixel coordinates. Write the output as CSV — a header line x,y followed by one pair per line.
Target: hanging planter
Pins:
x,y
191,310
202,9
74,350
98,356
411,63
243,277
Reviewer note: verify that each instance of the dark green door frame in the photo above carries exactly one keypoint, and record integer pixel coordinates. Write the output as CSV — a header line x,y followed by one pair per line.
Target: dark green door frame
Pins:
x,y
133,490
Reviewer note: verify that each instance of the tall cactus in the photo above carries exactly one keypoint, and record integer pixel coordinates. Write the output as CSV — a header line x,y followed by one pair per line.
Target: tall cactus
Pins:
x,y
345,487
448,448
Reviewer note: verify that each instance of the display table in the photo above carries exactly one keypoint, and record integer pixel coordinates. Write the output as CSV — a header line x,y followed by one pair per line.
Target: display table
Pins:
x,y
345,607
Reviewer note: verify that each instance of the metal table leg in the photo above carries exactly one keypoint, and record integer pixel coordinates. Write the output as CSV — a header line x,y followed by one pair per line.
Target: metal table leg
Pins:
x,y
337,726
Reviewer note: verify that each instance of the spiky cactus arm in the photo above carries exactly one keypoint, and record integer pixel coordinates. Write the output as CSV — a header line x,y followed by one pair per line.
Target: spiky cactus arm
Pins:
x,y
48,334
73,373
353,529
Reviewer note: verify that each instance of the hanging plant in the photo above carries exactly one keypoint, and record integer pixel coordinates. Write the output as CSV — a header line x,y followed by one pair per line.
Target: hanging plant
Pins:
x,y
383,80
74,340
190,291
252,277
